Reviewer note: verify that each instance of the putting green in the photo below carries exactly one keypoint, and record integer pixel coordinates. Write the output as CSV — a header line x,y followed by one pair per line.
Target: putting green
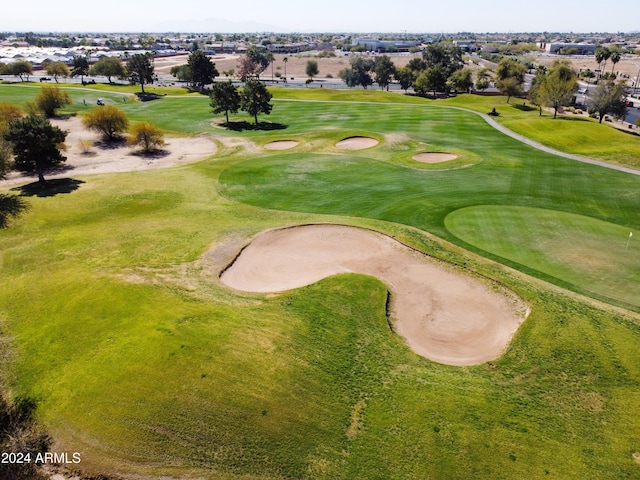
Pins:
x,y
588,253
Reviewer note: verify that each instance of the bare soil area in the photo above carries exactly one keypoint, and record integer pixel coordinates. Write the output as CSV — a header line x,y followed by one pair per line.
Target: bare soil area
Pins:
x,y
444,315
103,157
295,66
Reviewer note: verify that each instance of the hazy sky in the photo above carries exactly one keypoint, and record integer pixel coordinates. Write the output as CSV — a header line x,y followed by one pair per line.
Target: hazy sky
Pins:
x,y
322,15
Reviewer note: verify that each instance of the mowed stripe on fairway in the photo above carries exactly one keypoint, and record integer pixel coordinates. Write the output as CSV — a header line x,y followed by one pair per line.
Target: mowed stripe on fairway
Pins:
x,y
588,253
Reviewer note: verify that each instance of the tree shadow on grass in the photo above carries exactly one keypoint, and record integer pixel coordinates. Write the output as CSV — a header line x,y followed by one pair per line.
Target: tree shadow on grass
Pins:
x,y
264,126
50,188
524,108
572,119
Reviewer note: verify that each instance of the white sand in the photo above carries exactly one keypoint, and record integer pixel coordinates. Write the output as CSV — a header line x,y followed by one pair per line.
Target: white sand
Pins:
x,y
356,143
281,145
102,159
444,315
434,157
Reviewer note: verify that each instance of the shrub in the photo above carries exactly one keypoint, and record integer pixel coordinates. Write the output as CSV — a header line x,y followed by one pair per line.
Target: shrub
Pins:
x,y
147,136
85,145
50,99
108,120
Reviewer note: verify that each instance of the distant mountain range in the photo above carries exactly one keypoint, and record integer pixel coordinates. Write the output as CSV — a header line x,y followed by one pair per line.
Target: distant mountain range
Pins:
x,y
215,25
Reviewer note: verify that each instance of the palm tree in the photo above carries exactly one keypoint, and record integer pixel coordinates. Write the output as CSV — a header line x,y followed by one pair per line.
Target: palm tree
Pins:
x,y
616,55
271,59
285,60
601,54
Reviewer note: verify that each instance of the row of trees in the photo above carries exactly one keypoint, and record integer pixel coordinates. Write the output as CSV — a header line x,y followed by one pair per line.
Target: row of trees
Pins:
x,y
434,72
254,98
138,69
556,86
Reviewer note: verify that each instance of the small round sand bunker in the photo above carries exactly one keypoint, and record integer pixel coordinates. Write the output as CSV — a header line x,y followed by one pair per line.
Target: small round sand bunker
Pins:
x,y
444,315
356,143
281,145
434,157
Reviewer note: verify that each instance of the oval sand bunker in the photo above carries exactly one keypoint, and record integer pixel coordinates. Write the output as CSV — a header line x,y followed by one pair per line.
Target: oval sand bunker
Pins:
x,y
444,315
356,143
281,145
434,157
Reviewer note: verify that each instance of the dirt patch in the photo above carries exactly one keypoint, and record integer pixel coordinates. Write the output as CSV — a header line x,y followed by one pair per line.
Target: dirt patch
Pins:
x,y
100,157
444,315
636,457
357,143
281,145
434,157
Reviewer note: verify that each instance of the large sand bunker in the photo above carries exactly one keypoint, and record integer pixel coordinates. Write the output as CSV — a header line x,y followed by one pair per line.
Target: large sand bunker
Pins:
x,y
356,143
444,315
434,157
281,145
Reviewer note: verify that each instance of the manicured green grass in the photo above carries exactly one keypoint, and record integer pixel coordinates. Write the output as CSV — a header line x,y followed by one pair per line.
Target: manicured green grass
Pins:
x,y
144,363
370,184
148,367
595,255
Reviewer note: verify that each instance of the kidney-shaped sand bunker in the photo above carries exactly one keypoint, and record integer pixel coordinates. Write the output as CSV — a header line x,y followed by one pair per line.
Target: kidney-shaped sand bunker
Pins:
x,y
444,315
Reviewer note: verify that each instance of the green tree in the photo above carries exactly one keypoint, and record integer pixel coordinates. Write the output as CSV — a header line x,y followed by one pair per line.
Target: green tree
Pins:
x,y
252,64
20,68
140,69
510,77
285,60
11,206
359,73
50,99
255,99
181,72
225,98
8,112
609,97
558,86
312,68
384,69
348,76
36,144
202,69
433,79
109,120
108,67
147,136
80,67
447,55
510,87
405,77
616,55
535,92
602,54
589,75
58,69
417,65
461,80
